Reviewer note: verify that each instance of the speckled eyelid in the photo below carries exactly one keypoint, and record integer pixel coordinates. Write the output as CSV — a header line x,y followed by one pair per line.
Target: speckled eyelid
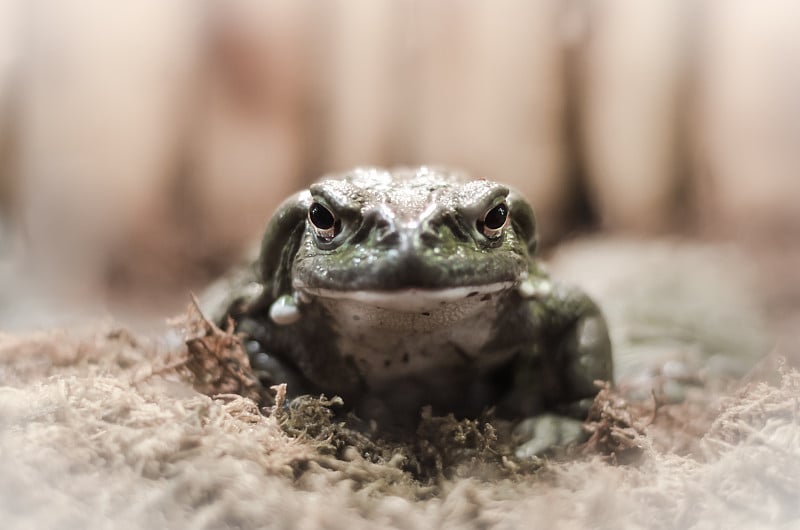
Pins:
x,y
338,197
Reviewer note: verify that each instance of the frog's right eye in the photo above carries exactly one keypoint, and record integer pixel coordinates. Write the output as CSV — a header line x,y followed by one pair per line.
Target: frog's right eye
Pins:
x,y
323,221
494,221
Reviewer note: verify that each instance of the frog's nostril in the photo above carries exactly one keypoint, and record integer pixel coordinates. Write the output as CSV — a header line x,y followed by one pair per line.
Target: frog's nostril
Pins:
x,y
382,231
428,237
388,237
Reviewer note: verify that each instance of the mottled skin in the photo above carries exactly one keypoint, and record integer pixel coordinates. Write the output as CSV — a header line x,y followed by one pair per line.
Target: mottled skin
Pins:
x,y
407,301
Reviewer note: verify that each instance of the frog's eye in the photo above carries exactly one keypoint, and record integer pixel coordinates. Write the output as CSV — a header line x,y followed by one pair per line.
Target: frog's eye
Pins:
x,y
494,221
323,221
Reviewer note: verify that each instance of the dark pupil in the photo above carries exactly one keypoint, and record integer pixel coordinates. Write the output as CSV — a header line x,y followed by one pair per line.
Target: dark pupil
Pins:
x,y
496,217
321,216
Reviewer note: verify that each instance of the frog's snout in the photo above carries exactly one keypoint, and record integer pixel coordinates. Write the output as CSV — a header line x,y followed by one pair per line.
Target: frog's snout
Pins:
x,y
407,237
411,243
405,250
412,248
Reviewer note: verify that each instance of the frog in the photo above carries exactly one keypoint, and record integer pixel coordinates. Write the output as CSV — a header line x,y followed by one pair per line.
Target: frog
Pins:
x,y
419,287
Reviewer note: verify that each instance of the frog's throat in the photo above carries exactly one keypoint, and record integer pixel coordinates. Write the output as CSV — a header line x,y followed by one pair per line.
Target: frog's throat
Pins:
x,y
411,299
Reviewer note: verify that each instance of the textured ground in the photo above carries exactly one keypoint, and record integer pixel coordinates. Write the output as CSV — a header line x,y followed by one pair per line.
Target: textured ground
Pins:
x,y
100,428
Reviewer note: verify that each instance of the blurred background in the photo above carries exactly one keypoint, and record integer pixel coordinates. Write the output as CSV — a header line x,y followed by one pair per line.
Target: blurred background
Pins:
x,y
144,144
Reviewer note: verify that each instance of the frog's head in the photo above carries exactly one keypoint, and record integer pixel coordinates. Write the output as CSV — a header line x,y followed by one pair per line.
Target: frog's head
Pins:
x,y
424,231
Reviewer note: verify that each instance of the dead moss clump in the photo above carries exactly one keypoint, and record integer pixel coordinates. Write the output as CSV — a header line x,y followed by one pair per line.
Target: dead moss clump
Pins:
x,y
452,448
616,429
441,448
216,359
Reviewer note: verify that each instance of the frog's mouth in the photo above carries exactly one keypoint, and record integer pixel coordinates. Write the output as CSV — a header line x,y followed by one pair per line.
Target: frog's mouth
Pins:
x,y
411,299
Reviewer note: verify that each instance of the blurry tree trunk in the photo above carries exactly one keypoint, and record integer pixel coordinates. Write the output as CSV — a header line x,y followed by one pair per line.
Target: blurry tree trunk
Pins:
x,y
749,155
101,110
632,74
490,97
250,136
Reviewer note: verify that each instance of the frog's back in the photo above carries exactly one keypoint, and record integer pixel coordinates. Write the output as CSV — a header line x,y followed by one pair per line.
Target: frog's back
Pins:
x,y
416,177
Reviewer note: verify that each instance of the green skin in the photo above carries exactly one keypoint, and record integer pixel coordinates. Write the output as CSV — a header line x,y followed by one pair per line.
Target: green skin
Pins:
x,y
386,315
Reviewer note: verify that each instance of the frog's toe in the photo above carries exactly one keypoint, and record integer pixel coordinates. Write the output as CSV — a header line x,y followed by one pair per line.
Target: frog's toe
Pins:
x,y
541,433
272,371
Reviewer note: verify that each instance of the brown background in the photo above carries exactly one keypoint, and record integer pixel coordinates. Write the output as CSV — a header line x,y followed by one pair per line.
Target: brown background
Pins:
x,y
144,144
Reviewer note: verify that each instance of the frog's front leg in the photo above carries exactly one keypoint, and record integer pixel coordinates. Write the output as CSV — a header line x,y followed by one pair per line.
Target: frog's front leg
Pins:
x,y
557,371
240,299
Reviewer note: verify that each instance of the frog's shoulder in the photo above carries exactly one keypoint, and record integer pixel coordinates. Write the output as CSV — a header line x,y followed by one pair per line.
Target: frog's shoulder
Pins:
x,y
523,220
280,243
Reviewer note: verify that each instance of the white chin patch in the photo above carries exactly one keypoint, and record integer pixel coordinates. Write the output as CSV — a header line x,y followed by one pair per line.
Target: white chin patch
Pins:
x,y
411,300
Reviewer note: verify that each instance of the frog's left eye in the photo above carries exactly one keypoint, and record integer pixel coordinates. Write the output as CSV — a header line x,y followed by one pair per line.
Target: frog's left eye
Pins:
x,y
323,221
494,221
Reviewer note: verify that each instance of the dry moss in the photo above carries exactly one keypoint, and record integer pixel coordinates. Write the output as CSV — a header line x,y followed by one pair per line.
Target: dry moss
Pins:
x,y
216,359
115,437
616,429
